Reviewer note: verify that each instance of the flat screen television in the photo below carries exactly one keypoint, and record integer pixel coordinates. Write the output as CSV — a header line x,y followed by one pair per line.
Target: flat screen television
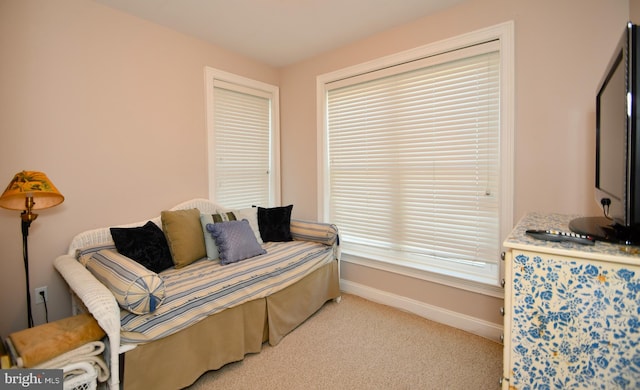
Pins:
x,y
617,179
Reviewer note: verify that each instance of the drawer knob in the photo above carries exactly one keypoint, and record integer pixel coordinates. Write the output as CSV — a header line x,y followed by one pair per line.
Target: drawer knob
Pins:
x,y
502,283
502,311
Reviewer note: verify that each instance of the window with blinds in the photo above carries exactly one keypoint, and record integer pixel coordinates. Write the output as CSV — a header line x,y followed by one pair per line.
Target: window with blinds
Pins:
x,y
413,163
241,141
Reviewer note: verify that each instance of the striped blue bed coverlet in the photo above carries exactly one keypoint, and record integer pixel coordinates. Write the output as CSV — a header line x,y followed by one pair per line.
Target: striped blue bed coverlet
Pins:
x,y
207,287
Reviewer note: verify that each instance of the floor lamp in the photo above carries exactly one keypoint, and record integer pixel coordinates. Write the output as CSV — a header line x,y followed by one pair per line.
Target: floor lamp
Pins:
x,y
29,190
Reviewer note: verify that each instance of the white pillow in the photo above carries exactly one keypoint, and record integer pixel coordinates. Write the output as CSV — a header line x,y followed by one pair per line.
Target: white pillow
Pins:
x,y
251,215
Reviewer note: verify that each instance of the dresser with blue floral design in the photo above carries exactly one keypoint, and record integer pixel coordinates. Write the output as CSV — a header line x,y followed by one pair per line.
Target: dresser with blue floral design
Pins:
x,y
572,312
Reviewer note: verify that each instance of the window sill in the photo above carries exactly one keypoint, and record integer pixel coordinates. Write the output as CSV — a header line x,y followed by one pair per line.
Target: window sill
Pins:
x,y
423,273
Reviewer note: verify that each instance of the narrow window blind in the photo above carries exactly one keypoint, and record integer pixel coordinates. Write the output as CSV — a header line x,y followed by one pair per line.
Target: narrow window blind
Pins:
x,y
242,152
413,160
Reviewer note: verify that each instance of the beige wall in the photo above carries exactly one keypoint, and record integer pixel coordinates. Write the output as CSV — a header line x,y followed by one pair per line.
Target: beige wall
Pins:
x,y
561,50
634,11
112,108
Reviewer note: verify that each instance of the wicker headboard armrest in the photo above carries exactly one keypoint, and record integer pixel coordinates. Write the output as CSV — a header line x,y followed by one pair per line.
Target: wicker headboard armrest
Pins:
x,y
103,235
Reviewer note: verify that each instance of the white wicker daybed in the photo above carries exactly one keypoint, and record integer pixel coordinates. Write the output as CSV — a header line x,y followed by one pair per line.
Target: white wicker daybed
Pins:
x,y
165,349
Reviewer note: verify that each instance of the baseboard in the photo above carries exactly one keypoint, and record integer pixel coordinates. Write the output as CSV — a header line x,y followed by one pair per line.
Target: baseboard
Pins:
x,y
461,321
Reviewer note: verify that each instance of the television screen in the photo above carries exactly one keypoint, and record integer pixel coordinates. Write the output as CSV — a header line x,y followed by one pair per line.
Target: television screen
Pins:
x,y
611,145
617,183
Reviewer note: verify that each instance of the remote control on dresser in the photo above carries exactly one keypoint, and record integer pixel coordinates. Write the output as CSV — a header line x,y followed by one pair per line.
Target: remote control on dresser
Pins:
x,y
556,235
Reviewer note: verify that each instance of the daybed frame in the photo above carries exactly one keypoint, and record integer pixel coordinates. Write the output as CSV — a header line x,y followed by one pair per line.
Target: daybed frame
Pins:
x,y
180,359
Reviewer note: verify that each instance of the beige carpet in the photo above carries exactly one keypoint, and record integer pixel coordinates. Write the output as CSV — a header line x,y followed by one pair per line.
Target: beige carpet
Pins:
x,y
358,344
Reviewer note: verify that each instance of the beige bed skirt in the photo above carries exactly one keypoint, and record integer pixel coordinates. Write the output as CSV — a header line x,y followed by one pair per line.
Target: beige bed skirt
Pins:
x,y
179,360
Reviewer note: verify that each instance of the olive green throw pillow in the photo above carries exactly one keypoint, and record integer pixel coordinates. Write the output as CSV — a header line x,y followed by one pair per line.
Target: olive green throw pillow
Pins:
x,y
184,236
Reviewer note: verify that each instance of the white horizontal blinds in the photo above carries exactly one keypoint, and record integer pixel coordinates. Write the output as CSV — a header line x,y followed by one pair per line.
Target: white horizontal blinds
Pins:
x,y
242,123
414,160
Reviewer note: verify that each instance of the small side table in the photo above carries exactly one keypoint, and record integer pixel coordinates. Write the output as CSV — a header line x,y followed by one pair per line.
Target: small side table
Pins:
x,y
5,358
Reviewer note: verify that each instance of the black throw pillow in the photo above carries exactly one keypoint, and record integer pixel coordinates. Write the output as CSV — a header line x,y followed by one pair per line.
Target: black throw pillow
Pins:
x,y
145,244
275,223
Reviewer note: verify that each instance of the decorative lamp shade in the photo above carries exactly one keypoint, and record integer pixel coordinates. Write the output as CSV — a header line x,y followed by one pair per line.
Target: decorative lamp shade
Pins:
x,y
30,184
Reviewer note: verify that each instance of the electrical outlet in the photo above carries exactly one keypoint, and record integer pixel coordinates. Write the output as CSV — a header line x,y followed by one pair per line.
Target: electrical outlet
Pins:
x,y
39,298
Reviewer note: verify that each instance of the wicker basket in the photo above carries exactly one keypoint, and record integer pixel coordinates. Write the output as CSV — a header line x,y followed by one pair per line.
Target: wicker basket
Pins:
x,y
80,376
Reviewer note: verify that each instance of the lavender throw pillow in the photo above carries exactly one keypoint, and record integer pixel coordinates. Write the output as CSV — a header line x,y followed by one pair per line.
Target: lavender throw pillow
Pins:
x,y
235,240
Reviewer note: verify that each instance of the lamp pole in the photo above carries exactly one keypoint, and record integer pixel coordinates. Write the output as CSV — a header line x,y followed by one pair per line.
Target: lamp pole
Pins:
x,y
26,218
